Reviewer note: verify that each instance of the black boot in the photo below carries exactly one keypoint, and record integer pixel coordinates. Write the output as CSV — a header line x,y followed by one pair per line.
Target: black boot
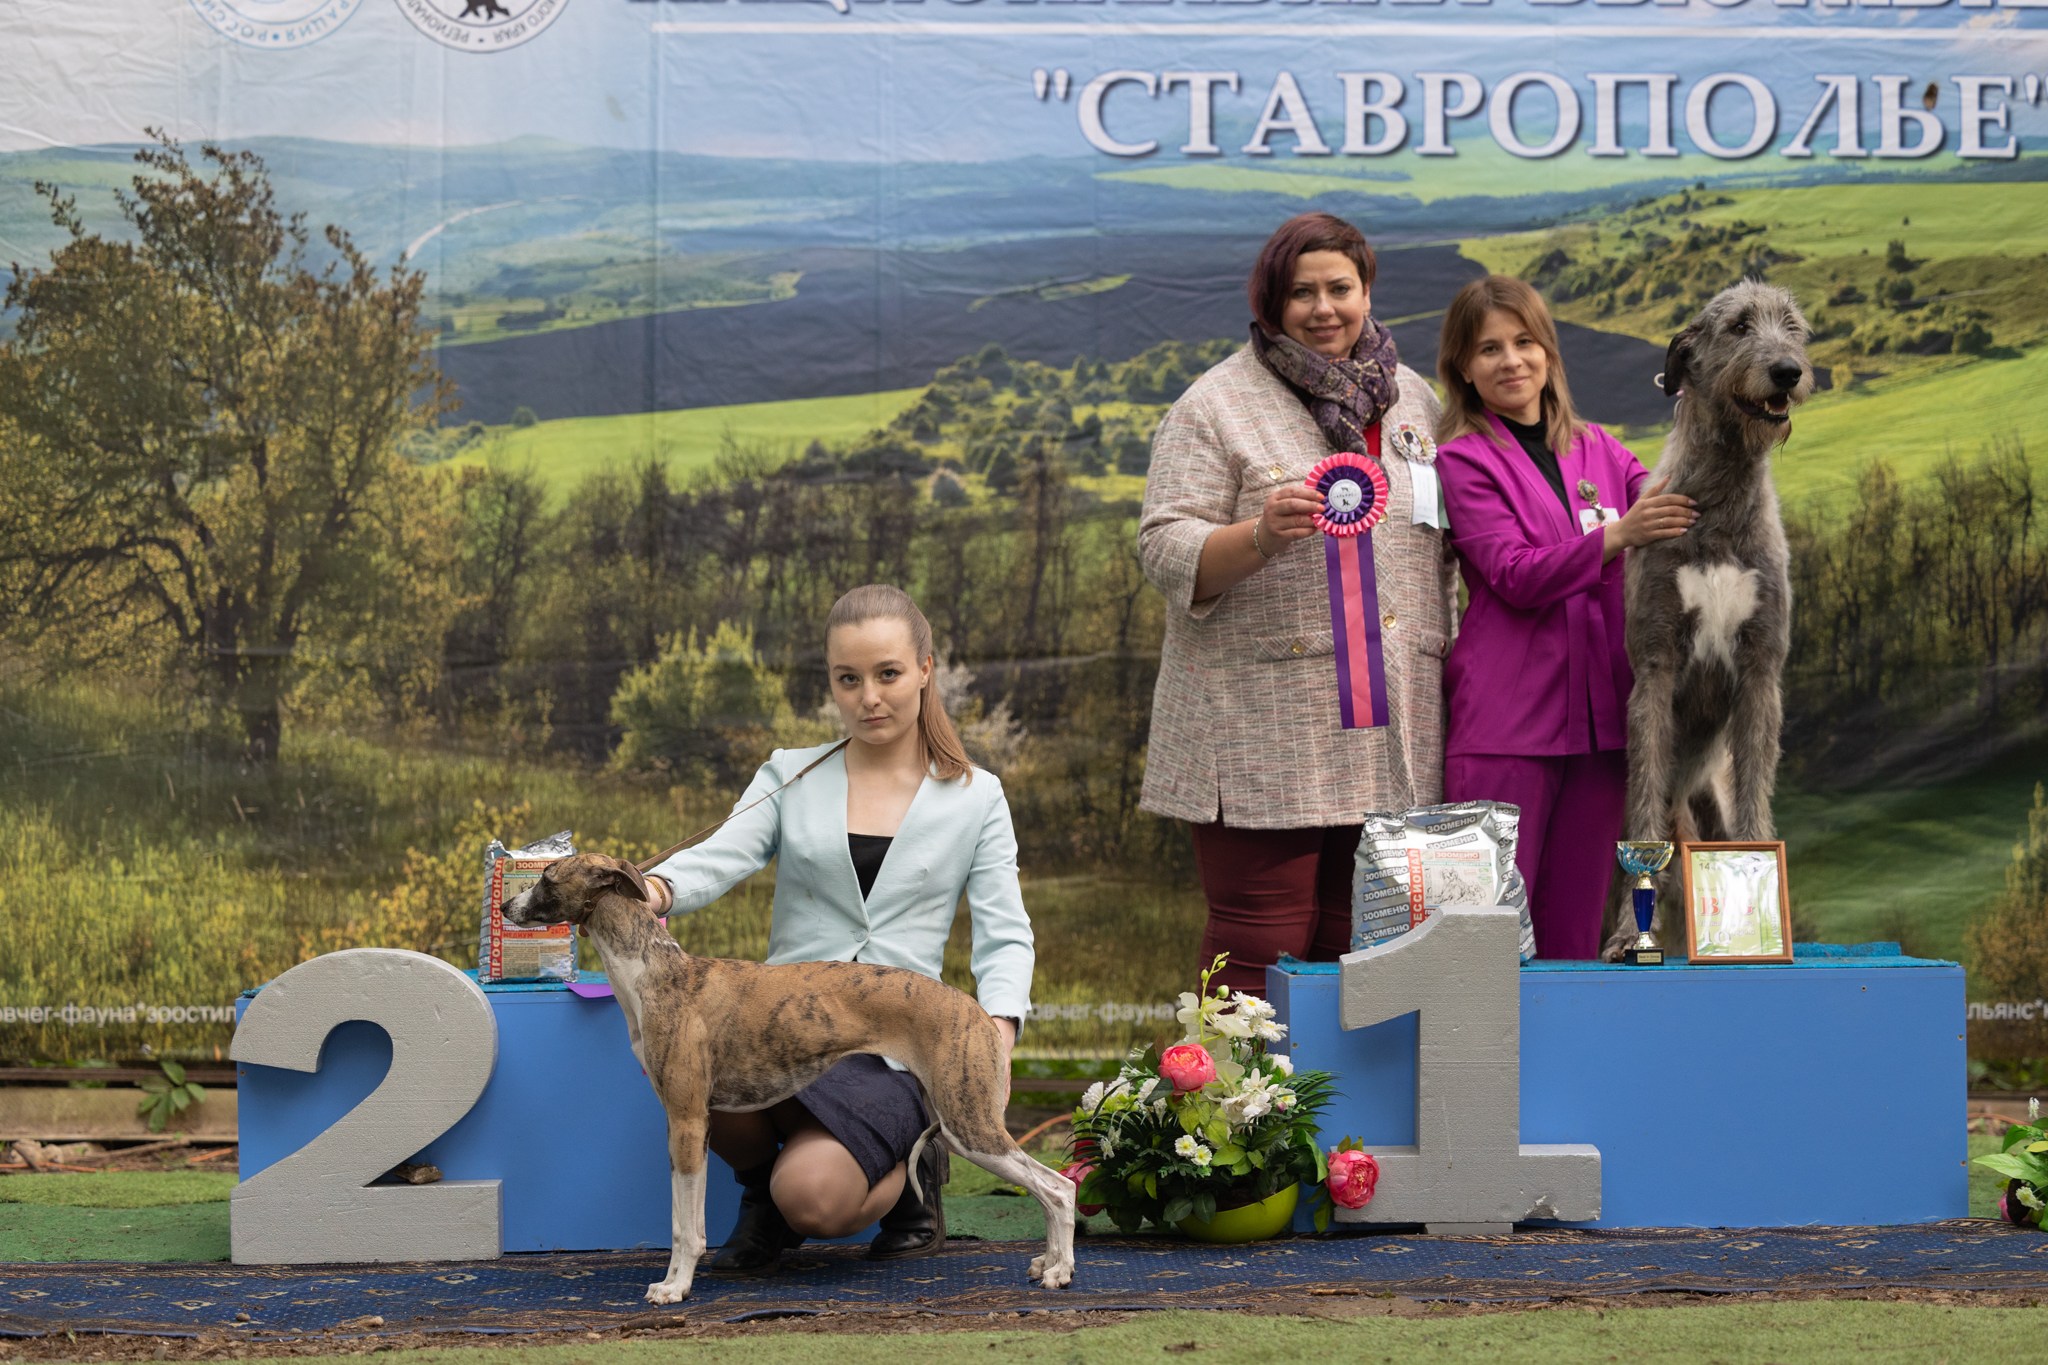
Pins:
x,y
916,1226
759,1236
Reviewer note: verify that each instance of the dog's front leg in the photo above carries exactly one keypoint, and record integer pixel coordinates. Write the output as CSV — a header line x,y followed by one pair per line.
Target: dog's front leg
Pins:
x,y
1753,743
686,1144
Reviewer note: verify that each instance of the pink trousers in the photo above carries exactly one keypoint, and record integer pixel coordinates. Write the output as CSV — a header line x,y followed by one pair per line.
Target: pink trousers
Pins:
x,y
1572,811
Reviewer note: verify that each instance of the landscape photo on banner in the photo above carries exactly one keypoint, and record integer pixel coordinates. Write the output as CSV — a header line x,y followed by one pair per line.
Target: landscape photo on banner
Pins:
x,y
514,502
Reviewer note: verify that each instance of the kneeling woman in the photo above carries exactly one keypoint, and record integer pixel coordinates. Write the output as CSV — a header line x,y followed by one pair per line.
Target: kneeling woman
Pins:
x,y
875,839
1542,505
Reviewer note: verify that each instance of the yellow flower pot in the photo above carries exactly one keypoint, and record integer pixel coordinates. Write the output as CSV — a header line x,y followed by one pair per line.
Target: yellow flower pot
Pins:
x,y
1269,1217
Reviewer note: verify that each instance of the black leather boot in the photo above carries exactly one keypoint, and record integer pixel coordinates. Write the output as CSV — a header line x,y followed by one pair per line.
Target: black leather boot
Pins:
x,y
916,1226
759,1236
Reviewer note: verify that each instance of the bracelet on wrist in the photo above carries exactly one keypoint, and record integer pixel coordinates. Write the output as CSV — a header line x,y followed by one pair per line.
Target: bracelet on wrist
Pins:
x,y
1264,553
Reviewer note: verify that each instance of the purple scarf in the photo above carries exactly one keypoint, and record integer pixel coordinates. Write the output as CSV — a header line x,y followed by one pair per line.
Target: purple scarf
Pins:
x,y
1344,396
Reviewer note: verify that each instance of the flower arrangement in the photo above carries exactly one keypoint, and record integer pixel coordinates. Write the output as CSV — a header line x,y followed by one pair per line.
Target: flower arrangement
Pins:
x,y
1214,1122
2023,1160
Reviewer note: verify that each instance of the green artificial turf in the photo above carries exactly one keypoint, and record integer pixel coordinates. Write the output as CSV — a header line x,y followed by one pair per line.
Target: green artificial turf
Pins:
x,y
118,1189
1811,1332
183,1215
170,1232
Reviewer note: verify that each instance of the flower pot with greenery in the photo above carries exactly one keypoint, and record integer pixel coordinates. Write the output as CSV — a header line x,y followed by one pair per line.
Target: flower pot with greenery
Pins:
x,y
1212,1125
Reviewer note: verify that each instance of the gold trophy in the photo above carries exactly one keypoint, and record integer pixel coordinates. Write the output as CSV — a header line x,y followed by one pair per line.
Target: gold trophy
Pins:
x,y
1644,859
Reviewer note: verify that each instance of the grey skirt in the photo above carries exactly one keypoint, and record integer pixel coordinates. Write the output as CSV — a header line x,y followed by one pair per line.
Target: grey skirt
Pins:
x,y
876,1113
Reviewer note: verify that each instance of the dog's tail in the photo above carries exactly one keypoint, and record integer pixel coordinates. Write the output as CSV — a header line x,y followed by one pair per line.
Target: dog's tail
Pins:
x,y
929,1135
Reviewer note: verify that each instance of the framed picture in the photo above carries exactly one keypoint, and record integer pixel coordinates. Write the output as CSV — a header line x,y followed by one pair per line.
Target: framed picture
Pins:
x,y
1737,906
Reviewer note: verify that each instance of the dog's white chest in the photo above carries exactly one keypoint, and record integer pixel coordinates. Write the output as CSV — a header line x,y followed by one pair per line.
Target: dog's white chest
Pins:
x,y
1724,595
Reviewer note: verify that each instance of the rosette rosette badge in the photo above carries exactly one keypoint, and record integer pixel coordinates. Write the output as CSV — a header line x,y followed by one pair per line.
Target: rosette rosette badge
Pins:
x,y
1354,492
1353,488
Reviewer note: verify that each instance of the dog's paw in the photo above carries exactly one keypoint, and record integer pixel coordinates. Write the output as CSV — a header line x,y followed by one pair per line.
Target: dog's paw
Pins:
x,y
1052,1274
668,1291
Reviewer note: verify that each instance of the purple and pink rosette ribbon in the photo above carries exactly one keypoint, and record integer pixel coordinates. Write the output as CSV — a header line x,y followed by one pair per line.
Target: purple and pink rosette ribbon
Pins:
x,y
1354,492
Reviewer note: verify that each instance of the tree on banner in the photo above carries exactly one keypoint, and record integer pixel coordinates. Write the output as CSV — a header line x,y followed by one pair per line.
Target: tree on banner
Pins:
x,y
198,440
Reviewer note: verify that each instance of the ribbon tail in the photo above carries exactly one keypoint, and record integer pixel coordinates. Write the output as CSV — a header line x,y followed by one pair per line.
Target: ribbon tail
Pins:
x,y
1375,654
1333,558
1355,628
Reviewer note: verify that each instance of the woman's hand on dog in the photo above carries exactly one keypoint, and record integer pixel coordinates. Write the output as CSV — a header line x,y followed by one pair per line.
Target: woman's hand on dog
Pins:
x,y
1657,515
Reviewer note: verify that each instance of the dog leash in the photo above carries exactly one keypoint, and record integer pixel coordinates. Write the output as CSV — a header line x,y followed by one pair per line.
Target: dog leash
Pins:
x,y
658,859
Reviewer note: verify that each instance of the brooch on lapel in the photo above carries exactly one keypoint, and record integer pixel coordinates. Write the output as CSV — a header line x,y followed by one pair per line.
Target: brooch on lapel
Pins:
x,y
1412,444
1589,492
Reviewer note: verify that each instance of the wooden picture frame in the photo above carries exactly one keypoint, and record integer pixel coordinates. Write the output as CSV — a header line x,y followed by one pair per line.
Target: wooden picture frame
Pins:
x,y
1738,905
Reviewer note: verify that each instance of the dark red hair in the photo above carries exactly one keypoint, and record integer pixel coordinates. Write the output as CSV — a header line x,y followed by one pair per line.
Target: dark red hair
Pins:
x,y
1273,276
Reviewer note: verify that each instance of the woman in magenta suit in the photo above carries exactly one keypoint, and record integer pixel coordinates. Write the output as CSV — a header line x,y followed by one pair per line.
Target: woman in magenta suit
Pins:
x,y
1541,506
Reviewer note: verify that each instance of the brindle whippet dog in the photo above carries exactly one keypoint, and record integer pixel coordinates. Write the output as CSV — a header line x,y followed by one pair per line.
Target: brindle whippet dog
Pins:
x,y
741,1036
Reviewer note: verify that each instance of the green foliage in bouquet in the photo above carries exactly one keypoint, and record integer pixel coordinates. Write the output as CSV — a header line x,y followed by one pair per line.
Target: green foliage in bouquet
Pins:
x,y
1214,1122
2023,1160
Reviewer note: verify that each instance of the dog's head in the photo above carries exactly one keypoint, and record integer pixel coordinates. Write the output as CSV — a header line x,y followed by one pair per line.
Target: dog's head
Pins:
x,y
570,888
1747,351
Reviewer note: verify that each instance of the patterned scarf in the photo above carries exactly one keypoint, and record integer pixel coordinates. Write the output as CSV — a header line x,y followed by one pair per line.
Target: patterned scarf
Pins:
x,y
1344,396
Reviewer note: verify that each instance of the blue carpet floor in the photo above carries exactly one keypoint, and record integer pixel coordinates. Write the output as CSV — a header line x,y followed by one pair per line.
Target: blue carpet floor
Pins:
x,y
597,1291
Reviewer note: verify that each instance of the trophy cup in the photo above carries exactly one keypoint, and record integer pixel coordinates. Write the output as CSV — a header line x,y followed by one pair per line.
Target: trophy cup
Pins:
x,y
1644,859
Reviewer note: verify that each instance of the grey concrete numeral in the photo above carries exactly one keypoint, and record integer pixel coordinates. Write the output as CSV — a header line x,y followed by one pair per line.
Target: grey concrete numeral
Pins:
x,y
317,1205
1468,1171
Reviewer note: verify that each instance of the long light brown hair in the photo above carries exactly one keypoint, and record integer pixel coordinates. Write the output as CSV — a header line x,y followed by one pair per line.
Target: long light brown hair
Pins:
x,y
943,751
1463,321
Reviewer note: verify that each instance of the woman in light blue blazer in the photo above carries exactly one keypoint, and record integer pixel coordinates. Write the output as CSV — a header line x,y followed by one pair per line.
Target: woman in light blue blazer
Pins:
x,y
874,842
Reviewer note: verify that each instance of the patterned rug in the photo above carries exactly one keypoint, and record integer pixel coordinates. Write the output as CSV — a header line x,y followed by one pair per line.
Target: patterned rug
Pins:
x,y
595,1291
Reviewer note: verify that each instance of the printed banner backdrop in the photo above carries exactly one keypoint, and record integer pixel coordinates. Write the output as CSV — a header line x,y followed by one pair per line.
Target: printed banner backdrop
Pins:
x,y
741,302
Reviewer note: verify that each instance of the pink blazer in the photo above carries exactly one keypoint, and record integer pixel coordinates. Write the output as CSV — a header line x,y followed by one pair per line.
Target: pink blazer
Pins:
x,y
1539,666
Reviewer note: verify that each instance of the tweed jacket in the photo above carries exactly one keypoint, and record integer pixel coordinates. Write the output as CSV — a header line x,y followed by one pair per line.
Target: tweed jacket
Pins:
x,y
956,838
1245,725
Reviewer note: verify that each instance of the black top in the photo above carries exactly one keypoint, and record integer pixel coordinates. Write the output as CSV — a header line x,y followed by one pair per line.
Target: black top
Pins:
x,y
1534,441
867,851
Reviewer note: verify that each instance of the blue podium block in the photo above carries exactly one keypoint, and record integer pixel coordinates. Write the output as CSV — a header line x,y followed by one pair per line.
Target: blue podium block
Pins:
x,y
1826,1091
568,1123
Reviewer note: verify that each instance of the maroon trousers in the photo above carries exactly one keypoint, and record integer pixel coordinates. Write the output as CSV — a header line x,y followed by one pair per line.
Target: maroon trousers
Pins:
x,y
1274,891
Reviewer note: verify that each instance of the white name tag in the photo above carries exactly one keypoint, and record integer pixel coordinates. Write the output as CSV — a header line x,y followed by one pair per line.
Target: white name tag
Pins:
x,y
1592,519
1429,497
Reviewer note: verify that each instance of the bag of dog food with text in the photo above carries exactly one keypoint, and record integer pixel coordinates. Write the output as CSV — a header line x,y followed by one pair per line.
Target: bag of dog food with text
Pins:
x,y
507,952
1460,853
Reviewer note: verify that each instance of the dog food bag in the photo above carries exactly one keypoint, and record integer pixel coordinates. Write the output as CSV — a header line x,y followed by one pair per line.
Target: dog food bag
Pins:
x,y
507,952
1461,853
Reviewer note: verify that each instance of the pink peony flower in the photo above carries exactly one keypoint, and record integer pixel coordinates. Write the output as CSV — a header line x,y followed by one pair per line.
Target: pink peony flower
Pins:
x,y
1078,1171
1188,1066
1352,1178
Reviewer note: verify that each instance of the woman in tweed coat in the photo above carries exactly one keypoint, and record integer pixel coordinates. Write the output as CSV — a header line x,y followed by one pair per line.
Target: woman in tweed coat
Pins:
x,y
1246,742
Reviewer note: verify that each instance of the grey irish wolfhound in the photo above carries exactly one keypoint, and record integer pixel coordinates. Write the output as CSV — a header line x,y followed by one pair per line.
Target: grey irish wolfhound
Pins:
x,y
1709,612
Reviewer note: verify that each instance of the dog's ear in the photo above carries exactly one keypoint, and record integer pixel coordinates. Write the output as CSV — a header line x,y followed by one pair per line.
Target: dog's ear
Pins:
x,y
1677,356
624,878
